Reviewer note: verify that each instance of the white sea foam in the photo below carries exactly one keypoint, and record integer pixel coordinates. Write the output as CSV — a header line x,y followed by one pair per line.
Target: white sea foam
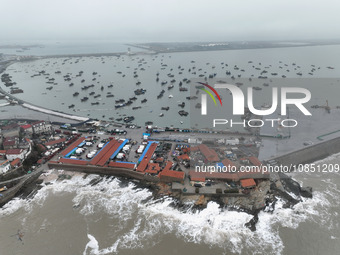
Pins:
x,y
92,244
39,198
212,226
143,220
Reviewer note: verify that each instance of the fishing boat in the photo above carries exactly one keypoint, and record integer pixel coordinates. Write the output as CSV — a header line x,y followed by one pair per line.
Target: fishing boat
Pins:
x,y
129,102
120,101
183,113
181,104
119,105
128,119
139,91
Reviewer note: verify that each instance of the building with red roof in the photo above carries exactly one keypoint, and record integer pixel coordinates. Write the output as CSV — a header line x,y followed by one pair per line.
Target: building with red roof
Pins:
x,y
172,176
11,142
122,165
209,154
15,163
72,146
197,179
143,164
183,157
228,163
194,148
106,152
12,154
153,168
255,161
27,128
248,183
167,175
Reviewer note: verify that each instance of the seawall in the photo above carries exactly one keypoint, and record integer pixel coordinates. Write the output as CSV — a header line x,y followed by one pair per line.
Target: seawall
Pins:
x,y
311,153
118,172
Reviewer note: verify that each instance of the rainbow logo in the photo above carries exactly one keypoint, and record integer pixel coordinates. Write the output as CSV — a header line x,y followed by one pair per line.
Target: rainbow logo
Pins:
x,y
209,93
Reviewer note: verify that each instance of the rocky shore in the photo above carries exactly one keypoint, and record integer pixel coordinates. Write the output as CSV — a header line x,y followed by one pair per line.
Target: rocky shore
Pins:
x,y
263,198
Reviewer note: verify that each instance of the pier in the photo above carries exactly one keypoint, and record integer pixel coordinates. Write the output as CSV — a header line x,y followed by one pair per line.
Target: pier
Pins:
x,y
12,100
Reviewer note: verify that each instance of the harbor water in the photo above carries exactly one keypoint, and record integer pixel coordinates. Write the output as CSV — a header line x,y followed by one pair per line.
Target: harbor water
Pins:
x,y
118,76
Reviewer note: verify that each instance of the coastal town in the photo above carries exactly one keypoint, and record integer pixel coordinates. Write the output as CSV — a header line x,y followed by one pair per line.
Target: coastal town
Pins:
x,y
34,153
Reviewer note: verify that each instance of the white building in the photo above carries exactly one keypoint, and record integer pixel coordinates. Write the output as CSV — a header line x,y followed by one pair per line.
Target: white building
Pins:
x,y
235,141
12,154
41,127
5,167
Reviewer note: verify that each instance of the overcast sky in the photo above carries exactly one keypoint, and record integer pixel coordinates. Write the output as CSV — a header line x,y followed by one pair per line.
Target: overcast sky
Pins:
x,y
165,20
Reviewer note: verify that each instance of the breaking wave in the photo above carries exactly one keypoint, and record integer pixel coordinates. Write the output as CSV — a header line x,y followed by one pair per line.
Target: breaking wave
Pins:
x,y
143,220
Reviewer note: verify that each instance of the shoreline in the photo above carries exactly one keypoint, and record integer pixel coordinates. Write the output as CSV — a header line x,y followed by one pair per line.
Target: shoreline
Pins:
x,y
196,202
152,51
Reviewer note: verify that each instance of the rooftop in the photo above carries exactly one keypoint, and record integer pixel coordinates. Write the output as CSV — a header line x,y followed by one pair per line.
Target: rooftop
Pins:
x,y
143,164
50,143
14,151
208,153
26,126
248,183
15,162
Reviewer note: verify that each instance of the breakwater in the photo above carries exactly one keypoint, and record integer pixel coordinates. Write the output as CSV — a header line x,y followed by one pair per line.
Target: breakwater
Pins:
x,y
311,153
118,172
